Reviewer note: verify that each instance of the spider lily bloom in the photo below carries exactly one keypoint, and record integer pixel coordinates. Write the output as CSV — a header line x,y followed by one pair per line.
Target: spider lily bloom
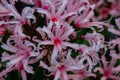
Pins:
x,y
75,6
113,9
83,19
56,13
61,66
96,40
58,39
27,12
89,53
85,16
91,59
20,57
108,71
22,19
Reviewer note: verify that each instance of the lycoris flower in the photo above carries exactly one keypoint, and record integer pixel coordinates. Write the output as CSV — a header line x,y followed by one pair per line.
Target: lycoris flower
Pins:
x,y
60,39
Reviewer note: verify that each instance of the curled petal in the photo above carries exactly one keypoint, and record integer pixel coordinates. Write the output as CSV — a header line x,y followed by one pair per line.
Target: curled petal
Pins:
x,y
98,69
42,11
46,66
49,33
28,13
37,58
27,68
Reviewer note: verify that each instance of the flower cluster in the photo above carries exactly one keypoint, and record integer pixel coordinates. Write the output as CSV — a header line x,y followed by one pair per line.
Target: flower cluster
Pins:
x,y
61,39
